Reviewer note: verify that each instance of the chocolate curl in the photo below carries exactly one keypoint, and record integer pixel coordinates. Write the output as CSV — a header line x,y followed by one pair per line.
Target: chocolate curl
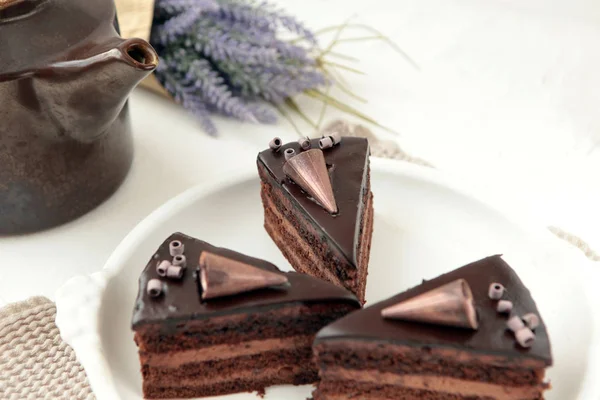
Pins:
x,y
304,143
176,248
175,272
326,143
515,323
333,132
336,138
154,287
309,171
289,153
531,320
161,268
525,337
504,306
179,261
275,144
495,291
221,276
450,305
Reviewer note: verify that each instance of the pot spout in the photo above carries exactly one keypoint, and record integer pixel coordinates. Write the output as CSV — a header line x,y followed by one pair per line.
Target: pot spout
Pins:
x,y
140,55
88,95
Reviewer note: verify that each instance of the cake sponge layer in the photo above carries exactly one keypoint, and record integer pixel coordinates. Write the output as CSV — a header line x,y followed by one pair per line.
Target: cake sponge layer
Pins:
x,y
306,247
351,390
236,341
292,320
354,355
287,374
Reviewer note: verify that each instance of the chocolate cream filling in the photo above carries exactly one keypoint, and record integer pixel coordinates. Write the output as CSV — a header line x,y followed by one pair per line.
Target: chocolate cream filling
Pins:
x,y
224,351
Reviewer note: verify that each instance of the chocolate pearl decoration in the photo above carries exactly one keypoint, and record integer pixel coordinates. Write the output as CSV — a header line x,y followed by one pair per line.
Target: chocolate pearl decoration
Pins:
x,y
525,337
504,306
515,323
336,137
531,320
289,153
275,144
175,272
154,287
304,143
496,291
179,261
162,267
176,248
326,142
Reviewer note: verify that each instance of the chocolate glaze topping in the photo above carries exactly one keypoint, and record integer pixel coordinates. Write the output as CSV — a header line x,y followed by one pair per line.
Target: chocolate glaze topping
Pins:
x,y
181,299
492,337
348,168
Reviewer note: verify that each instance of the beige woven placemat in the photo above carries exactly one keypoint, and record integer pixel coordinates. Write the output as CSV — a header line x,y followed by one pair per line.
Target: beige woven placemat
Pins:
x,y
36,364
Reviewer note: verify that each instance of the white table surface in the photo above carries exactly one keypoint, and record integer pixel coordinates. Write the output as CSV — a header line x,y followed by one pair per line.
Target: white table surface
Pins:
x,y
506,98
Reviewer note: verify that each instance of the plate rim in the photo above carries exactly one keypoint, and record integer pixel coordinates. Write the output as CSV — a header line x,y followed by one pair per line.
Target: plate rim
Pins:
x,y
78,300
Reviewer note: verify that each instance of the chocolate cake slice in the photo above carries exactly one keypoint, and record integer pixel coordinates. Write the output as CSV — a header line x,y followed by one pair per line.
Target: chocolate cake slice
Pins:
x,y
474,333
211,321
319,207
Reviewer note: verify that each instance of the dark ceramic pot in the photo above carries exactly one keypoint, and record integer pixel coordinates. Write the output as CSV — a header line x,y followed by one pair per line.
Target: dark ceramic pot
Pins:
x,y
65,137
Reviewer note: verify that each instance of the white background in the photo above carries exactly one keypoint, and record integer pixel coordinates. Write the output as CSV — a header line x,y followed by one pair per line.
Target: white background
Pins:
x,y
506,97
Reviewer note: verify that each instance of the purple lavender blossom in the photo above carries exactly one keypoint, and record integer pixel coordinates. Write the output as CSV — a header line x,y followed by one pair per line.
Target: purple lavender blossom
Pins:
x,y
224,56
290,51
262,114
218,44
171,7
188,100
251,34
179,25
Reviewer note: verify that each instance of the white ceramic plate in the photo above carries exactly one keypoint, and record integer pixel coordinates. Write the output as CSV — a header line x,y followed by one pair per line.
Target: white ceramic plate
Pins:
x,y
424,226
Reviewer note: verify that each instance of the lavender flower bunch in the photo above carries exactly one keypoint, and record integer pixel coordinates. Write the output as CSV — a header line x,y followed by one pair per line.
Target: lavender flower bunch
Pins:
x,y
226,56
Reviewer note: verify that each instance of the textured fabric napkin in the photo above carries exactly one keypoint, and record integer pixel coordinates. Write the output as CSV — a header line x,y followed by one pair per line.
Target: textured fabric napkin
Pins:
x,y
36,364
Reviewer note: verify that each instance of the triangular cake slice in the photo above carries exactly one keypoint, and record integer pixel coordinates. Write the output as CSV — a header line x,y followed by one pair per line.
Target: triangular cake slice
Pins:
x,y
371,356
329,238
210,321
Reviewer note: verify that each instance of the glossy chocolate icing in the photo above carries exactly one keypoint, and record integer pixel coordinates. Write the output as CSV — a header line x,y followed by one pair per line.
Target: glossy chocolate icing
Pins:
x,y
65,136
348,168
181,299
492,337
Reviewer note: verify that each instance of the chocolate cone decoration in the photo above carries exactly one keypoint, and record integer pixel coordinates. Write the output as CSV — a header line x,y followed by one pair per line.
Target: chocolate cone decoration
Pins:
x,y
309,171
450,304
221,276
